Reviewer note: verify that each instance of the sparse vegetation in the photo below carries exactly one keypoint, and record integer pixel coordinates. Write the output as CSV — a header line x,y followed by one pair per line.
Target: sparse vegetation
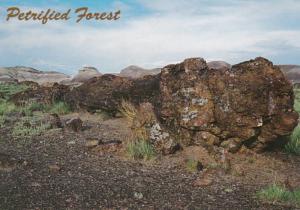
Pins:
x,y
6,107
278,194
140,149
59,108
2,121
297,100
9,89
293,146
128,110
192,165
29,126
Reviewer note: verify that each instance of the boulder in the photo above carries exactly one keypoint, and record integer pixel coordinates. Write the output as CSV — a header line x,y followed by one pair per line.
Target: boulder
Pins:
x,y
107,92
250,103
74,124
41,94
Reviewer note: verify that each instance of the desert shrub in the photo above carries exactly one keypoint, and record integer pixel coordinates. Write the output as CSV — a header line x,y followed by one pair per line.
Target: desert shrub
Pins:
x,y
192,165
29,126
9,89
297,99
128,110
138,119
140,149
59,108
6,107
293,146
276,193
2,120
297,105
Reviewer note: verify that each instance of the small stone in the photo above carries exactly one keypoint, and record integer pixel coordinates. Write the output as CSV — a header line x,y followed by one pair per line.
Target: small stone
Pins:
x,y
203,181
74,124
170,147
232,145
228,190
54,168
138,195
35,184
90,143
71,142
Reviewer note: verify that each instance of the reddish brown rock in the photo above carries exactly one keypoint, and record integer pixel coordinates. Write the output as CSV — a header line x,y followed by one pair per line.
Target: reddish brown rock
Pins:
x,y
251,102
74,124
107,92
40,94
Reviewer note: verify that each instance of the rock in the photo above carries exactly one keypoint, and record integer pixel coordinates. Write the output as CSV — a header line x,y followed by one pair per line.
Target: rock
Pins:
x,y
54,168
232,144
199,153
7,163
40,94
203,181
206,138
75,124
138,195
251,101
108,147
90,143
106,93
248,104
170,146
53,120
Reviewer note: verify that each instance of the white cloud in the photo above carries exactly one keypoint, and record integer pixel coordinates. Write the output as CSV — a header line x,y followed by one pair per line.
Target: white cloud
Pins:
x,y
233,32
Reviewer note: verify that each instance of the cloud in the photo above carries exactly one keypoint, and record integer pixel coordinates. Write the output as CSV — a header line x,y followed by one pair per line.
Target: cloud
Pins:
x,y
170,32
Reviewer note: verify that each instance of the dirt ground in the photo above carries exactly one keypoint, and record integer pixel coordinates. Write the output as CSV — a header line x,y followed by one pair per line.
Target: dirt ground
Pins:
x,y
57,171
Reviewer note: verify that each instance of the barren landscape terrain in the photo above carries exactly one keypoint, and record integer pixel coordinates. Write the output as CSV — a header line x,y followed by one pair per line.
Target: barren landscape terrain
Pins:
x,y
191,137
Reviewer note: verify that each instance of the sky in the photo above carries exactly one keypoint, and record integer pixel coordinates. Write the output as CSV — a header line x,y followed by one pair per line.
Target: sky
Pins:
x,y
151,34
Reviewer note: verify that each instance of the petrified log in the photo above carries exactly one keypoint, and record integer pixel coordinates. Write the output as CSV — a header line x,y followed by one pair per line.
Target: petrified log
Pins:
x,y
250,103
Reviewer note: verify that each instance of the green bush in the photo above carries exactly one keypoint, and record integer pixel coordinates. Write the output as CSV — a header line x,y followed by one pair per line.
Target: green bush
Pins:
x,y
59,108
293,146
6,107
29,126
140,149
275,193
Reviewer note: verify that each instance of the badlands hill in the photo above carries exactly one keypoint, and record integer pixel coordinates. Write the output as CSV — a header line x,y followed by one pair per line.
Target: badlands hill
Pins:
x,y
292,72
137,72
85,74
21,73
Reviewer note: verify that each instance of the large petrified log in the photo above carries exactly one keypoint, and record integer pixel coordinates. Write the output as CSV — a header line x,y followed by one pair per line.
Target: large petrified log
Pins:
x,y
250,103
107,92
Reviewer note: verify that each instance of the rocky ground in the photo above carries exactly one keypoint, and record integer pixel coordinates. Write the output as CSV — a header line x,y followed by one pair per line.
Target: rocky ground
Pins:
x,y
57,170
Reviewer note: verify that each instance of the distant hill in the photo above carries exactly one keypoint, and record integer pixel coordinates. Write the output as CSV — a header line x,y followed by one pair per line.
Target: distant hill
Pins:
x,y
85,74
137,72
218,64
292,72
22,73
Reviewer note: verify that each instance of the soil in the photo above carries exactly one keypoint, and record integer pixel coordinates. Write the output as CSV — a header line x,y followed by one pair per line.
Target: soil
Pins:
x,y
58,171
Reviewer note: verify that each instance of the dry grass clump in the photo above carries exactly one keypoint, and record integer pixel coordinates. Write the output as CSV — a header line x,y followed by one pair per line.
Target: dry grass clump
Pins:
x,y
138,145
128,110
